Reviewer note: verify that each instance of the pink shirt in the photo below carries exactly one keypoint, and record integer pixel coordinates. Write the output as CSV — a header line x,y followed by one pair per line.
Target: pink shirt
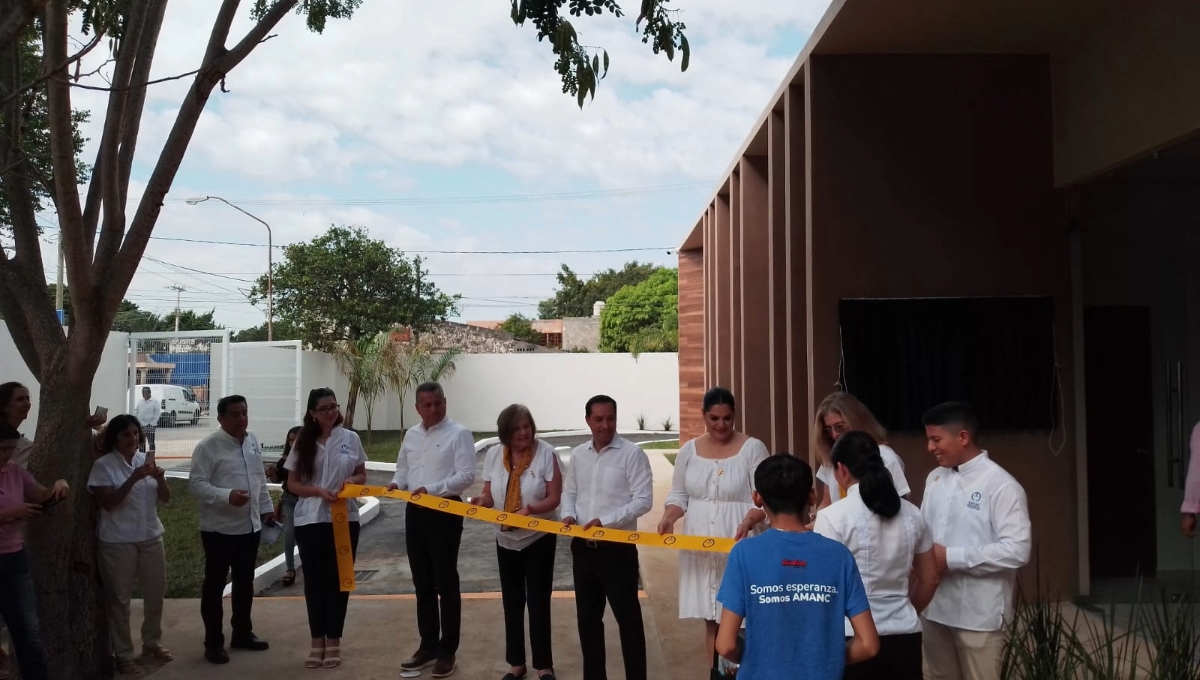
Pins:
x,y
15,484
1191,491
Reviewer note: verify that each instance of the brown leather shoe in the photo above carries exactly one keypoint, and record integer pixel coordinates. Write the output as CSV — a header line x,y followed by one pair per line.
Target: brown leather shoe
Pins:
x,y
420,660
444,668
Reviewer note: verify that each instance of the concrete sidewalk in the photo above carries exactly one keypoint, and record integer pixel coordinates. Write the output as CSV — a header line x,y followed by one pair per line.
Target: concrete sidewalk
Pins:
x,y
381,629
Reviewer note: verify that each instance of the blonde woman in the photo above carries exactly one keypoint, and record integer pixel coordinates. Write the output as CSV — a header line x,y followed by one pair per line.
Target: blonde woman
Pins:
x,y
839,413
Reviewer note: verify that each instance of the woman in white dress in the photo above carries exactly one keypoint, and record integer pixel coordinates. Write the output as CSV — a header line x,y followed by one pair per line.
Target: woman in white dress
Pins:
x,y
839,413
714,475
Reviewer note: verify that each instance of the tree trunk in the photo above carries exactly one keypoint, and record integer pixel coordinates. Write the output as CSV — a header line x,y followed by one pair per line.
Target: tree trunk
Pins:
x,y
62,542
351,403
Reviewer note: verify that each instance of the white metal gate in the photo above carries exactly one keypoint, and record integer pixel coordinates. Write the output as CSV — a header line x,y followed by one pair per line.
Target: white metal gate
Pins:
x,y
186,372
268,375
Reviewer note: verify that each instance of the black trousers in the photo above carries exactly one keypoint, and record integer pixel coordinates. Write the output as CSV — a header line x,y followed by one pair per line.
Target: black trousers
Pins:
x,y
322,588
899,658
225,554
432,539
527,576
608,571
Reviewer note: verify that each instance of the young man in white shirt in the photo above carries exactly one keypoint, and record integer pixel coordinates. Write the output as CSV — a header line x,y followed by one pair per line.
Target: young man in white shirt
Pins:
x,y
438,458
979,518
229,481
608,484
147,413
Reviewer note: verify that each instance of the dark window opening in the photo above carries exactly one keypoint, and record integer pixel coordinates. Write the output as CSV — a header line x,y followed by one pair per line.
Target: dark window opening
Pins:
x,y
903,356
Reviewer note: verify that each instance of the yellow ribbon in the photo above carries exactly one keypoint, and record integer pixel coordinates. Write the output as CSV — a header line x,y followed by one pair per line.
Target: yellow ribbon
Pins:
x,y
345,559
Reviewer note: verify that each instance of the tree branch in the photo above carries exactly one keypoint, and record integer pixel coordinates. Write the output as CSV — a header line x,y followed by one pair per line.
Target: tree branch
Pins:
x,y
167,79
256,36
21,17
49,73
76,249
108,157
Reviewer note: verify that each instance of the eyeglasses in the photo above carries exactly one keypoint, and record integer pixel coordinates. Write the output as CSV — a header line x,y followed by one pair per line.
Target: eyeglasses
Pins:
x,y
836,428
327,408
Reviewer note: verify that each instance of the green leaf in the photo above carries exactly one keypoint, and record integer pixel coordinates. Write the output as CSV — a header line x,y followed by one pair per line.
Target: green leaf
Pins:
x,y
685,53
668,41
595,64
605,63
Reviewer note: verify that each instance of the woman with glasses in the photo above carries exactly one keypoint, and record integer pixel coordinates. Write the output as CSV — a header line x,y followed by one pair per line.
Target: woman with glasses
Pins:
x,y
838,414
325,458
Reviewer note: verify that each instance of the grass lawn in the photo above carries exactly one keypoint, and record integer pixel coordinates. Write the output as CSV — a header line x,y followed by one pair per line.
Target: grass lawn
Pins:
x,y
670,457
383,445
185,556
672,444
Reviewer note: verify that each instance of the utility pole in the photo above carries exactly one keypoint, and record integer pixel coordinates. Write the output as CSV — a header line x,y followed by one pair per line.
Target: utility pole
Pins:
x,y
178,290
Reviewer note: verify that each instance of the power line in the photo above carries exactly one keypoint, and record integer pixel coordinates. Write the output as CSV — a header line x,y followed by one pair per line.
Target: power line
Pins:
x,y
474,200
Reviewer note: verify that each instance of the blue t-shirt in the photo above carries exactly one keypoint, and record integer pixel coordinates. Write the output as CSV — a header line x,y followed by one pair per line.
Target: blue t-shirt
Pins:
x,y
794,590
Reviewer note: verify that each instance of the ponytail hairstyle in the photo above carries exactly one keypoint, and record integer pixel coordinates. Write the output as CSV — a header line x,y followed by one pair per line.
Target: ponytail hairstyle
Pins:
x,y
858,451
306,442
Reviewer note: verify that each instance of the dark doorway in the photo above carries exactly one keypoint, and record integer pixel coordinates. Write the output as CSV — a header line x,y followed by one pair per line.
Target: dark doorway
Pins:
x,y
1118,374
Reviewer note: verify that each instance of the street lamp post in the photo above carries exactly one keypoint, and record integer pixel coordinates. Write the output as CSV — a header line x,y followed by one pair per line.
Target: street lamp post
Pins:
x,y
270,255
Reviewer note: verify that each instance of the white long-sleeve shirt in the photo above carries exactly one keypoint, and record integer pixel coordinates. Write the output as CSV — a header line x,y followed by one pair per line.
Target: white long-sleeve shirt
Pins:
x,y
147,412
221,464
440,458
614,485
980,514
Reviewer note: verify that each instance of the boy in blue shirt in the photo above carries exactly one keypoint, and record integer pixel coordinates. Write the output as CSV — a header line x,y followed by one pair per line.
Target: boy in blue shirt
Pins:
x,y
794,588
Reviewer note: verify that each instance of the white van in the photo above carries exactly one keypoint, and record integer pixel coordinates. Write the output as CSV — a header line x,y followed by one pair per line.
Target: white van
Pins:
x,y
178,403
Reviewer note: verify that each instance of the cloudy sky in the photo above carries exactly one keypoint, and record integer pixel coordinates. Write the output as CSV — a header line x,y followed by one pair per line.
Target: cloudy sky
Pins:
x,y
447,131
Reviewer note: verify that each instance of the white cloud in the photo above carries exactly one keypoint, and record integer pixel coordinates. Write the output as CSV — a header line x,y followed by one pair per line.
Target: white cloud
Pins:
x,y
410,88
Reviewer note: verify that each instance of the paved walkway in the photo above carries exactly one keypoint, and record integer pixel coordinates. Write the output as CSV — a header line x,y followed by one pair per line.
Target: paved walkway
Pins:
x,y
381,627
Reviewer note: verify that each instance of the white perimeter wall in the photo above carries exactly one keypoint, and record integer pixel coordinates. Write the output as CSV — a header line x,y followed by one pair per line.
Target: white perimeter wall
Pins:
x,y
108,389
555,387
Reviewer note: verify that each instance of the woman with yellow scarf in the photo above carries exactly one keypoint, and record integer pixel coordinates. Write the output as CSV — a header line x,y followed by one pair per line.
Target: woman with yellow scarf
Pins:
x,y
523,474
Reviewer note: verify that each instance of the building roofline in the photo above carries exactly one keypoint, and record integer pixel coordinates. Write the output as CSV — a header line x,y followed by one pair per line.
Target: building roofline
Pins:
x,y
793,74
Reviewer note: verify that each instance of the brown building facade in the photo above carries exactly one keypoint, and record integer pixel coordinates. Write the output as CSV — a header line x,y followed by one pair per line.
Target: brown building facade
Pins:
x,y
959,166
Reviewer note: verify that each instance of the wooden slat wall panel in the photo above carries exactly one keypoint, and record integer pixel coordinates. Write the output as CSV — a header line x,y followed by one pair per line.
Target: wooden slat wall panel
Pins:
x,y
691,343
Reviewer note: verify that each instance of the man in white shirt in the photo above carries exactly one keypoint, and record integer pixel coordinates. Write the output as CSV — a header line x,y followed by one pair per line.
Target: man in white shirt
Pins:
x,y
229,481
438,458
608,484
147,413
979,518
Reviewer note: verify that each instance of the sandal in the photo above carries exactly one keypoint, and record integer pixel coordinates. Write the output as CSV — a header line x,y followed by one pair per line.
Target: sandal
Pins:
x,y
289,577
316,656
158,652
333,657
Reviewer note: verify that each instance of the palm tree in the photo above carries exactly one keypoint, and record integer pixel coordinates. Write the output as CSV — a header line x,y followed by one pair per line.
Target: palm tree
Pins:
x,y
416,363
366,363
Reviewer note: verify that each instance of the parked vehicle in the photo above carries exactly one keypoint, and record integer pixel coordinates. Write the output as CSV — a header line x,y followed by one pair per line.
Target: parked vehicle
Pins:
x,y
178,403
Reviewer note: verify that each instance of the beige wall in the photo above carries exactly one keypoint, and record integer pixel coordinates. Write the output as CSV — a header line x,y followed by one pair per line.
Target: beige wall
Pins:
x,y
1126,82
932,176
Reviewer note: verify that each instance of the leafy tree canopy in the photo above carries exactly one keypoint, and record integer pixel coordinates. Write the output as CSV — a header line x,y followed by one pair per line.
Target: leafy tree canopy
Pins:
x,y
133,319
344,286
521,328
575,296
636,314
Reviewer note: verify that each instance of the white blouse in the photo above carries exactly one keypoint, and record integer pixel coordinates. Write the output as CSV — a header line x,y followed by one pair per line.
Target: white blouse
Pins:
x,y
334,463
891,460
135,519
533,490
883,550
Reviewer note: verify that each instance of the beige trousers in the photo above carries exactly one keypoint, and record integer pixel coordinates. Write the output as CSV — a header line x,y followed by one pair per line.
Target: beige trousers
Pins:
x,y
957,654
121,564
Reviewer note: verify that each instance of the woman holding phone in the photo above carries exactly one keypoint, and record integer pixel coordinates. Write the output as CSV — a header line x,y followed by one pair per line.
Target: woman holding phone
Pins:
x,y
128,488
285,507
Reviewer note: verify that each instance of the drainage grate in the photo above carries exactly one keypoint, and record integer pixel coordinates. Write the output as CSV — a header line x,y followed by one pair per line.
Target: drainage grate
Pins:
x,y
360,576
